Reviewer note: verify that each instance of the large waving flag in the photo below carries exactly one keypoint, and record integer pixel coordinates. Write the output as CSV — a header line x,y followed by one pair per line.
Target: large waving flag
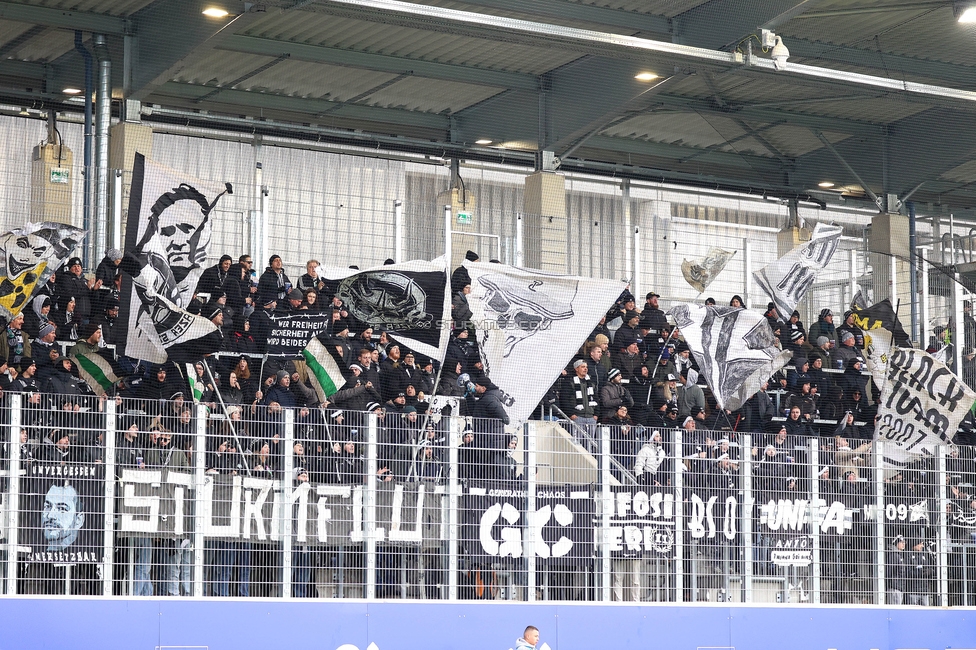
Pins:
x,y
99,370
881,315
323,371
167,237
789,278
699,273
529,324
411,301
734,347
922,405
30,255
168,331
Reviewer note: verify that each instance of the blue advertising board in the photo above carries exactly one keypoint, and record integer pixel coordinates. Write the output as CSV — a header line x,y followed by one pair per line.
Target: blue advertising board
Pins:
x,y
241,624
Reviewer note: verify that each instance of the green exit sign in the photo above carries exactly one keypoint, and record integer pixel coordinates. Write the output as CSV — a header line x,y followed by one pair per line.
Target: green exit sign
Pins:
x,y
464,218
59,175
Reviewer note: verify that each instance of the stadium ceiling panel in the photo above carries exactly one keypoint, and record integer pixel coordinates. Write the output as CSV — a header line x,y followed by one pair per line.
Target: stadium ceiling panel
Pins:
x,y
891,86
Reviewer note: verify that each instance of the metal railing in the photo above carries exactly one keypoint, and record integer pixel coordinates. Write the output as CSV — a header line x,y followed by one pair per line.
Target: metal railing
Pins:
x,y
135,499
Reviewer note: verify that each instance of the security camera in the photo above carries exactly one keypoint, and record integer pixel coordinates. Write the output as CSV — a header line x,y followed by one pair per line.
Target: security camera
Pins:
x,y
780,54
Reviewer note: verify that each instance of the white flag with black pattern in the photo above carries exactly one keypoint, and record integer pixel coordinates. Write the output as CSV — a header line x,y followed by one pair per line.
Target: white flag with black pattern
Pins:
x,y
734,347
529,324
787,280
699,273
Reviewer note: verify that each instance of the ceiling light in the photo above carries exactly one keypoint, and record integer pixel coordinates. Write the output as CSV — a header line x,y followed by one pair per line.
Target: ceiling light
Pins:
x,y
215,12
645,76
825,184
72,91
968,15
482,141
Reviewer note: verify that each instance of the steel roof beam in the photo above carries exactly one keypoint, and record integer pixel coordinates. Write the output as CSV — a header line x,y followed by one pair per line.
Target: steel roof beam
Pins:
x,y
173,35
244,100
679,152
379,62
24,69
560,10
721,25
958,75
618,46
731,111
87,22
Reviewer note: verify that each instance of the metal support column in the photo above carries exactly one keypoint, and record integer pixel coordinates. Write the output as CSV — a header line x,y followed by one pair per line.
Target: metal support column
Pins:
x,y
369,503
923,313
748,505
879,522
679,568
944,541
628,228
958,327
103,120
853,277
398,229
605,512
108,549
199,480
519,240
913,267
448,251
453,501
13,492
814,479
747,271
115,239
530,540
285,513
635,287
258,224
893,264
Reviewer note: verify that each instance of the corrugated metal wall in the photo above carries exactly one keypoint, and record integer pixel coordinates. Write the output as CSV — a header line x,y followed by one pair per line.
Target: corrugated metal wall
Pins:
x,y
338,209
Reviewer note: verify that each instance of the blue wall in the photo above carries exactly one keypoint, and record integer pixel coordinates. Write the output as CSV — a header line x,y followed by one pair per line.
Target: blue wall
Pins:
x,y
143,624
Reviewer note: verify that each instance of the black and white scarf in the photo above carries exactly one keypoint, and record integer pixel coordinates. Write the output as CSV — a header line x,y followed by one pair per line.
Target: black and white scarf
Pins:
x,y
580,403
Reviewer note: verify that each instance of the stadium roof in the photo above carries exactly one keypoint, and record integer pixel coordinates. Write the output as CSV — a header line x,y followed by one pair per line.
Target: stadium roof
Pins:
x,y
889,87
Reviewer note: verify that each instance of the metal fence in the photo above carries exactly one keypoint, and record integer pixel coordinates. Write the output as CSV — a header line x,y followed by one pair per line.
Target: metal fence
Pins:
x,y
141,498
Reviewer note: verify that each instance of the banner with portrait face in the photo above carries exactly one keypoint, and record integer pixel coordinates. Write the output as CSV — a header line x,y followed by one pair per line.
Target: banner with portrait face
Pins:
x,y
62,512
30,255
167,237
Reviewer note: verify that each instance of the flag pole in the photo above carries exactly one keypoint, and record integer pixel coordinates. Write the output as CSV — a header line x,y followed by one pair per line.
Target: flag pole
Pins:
x,y
657,364
264,359
220,398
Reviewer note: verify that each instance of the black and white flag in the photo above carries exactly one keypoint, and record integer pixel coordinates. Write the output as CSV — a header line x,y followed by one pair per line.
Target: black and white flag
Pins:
x,y
529,324
922,405
411,301
700,273
789,278
29,256
734,347
167,236
877,348
167,330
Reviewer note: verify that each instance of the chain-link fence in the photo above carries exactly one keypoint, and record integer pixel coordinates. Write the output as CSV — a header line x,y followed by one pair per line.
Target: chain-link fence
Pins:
x,y
139,498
